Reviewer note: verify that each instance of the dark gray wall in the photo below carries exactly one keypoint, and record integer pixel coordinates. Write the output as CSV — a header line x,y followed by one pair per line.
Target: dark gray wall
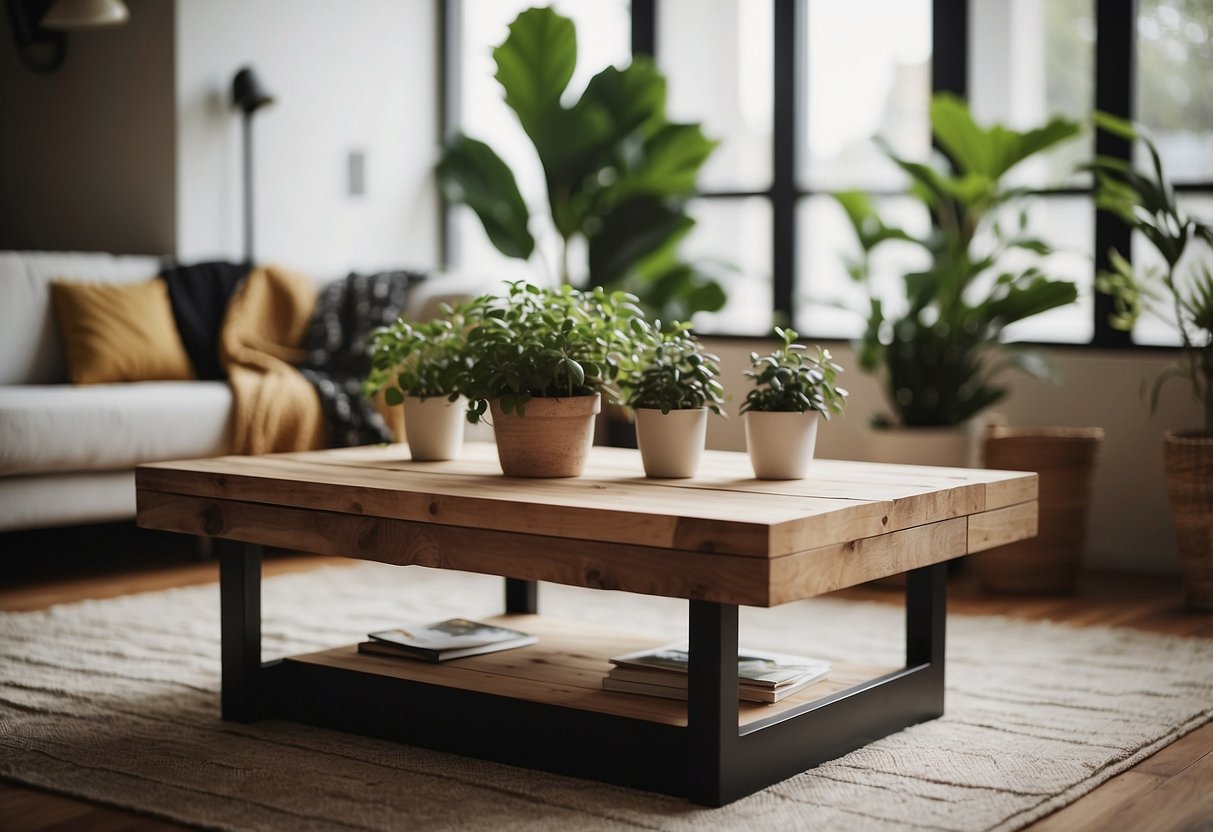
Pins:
x,y
88,154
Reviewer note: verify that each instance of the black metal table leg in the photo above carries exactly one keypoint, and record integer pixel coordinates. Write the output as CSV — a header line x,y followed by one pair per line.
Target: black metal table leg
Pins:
x,y
712,702
240,615
926,624
521,596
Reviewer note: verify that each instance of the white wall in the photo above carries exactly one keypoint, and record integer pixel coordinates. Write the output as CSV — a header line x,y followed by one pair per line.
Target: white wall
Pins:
x,y
1129,527
354,75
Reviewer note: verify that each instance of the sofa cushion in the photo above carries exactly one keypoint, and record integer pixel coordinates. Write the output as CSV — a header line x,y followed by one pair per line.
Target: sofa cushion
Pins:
x,y
66,499
30,352
46,428
119,332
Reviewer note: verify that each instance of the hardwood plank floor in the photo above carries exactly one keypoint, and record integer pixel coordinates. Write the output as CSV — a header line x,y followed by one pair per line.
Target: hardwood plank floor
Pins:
x,y
1172,791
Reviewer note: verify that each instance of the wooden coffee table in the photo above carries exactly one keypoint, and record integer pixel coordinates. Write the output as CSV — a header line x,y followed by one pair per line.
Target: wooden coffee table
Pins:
x,y
720,540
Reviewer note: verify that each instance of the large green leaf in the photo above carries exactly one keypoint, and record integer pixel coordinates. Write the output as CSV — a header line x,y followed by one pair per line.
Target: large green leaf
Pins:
x,y
992,151
629,233
667,164
471,173
534,66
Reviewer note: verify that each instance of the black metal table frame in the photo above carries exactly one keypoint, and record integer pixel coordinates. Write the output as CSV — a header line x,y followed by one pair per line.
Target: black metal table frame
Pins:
x,y
711,760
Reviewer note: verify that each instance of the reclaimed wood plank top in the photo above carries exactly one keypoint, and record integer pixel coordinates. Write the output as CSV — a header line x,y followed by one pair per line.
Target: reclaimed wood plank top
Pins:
x,y
721,535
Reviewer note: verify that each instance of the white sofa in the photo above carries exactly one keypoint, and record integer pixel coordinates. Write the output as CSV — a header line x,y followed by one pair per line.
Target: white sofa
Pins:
x,y
67,452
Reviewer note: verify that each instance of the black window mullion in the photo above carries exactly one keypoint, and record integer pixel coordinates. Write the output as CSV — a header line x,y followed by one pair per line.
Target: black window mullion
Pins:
x,y
644,27
1115,79
950,47
783,173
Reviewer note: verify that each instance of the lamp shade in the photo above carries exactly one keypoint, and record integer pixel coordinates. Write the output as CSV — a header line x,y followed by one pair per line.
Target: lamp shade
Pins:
x,y
247,92
84,14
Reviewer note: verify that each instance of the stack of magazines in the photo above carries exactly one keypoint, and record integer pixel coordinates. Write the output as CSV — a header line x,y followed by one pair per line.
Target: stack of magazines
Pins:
x,y
762,676
442,640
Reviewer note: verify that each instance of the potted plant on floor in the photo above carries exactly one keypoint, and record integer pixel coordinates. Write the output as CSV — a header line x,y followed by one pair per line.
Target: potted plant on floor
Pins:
x,y
791,387
1180,293
939,344
539,360
419,366
671,383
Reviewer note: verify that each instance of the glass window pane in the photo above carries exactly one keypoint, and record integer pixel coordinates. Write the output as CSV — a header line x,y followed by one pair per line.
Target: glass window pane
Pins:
x,y
1174,78
603,38
868,65
735,234
1030,60
718,58
1159,328
829,304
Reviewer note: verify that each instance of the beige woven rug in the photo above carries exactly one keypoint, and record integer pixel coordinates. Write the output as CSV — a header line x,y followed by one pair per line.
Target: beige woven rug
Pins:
x,y
117,701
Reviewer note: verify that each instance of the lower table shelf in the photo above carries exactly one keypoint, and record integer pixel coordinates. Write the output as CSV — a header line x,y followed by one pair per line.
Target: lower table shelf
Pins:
x,y
566,668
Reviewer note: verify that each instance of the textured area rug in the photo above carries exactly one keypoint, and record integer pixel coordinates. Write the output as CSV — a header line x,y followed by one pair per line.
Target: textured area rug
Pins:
x,y
117,701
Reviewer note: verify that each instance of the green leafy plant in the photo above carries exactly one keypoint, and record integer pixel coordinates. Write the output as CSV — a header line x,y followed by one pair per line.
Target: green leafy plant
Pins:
x,y
941,348
617,171
791,380
669,369
544,342
1146,202
420,359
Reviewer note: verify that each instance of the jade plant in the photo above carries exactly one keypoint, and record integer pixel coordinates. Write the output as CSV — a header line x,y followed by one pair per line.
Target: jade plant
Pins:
x,y
940,348
792,380
617,172
423,360
669,369
543,342
1184,289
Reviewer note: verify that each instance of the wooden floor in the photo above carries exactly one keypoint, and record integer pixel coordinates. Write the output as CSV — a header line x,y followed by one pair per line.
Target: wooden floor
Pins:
x,y
1169,792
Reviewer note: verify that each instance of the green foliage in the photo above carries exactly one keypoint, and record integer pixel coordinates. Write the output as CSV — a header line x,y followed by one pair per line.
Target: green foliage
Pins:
x,y
423,359
543,342
669,369
1146,202
789,380
940,354
617,172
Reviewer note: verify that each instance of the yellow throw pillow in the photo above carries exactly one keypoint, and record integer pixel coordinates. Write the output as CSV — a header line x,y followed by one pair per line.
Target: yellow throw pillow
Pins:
x,y
119,332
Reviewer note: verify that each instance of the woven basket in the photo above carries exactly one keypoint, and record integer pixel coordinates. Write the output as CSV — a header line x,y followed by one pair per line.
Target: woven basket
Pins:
x,y
1065,459
1189,467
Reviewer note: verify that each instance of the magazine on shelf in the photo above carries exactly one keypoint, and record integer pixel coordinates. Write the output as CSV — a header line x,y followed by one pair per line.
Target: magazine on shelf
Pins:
x,y
442,640
762,676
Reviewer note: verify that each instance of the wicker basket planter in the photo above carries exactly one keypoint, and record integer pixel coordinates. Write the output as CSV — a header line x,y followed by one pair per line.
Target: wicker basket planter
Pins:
x,y
1189,467
1065,460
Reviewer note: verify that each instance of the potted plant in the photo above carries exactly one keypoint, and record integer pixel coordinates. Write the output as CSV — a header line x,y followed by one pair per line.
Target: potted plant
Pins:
x,y
419,366
617,172
671,383
791,387
1181,293
939,346
539,359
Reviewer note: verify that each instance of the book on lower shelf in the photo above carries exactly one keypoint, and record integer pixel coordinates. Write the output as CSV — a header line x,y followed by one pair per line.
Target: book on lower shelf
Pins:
x,y
762,676
451,639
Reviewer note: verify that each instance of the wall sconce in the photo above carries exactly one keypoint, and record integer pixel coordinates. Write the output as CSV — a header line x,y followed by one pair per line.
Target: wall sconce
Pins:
x,y
39,27
248,96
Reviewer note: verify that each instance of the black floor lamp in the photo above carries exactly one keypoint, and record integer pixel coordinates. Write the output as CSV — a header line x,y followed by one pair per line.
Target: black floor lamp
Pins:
x,y
248,96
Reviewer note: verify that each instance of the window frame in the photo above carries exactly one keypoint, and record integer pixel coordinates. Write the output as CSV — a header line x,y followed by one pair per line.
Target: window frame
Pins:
x,y
1114,91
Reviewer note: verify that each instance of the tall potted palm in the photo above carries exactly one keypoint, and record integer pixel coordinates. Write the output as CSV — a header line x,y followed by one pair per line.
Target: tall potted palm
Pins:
x,y
1181,293
939,347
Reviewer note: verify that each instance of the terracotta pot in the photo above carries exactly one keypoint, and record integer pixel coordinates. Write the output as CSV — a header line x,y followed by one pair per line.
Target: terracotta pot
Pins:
x,y
1189,467
671,444
780,444
434,427
1065,460
551,440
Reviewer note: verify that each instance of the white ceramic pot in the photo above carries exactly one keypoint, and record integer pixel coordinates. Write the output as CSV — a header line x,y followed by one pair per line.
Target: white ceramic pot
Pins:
x,y
434,427
671,444
553,439
780,444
